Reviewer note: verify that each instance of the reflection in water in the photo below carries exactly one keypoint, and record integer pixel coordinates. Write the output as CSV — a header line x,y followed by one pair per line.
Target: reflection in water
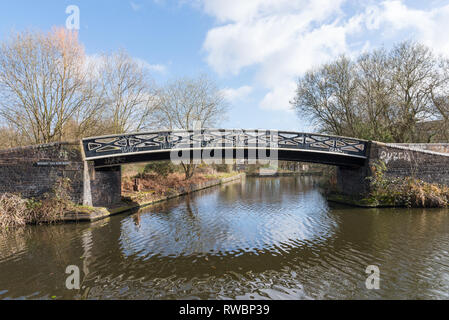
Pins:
x,y
268,238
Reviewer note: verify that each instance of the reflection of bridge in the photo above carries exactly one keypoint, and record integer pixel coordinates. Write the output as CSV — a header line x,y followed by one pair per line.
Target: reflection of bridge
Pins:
x,y
94,166
245,144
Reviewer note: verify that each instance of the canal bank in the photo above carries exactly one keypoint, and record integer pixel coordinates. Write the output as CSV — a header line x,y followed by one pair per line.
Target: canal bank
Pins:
x,y
391,191
134,202
427,196
355,202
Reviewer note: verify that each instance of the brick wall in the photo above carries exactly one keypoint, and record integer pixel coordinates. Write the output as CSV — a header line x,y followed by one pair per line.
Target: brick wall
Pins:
x,y
33,171
106,186
401,161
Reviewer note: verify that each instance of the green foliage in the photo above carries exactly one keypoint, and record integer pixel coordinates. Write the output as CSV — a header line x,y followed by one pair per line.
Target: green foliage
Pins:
x,y
33,204
227,168
162,168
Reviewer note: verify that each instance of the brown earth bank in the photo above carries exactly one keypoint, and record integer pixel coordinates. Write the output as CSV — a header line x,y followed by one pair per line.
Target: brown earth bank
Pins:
x,y
150,187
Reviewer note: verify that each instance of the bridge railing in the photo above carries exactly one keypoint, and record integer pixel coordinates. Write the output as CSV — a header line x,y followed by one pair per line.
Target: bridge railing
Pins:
x,y
146,142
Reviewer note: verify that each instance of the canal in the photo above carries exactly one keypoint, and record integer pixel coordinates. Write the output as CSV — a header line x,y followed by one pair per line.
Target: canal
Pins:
x,y
265,238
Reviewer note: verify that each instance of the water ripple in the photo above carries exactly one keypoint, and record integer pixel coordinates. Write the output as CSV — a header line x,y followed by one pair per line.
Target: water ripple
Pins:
x,y
271,238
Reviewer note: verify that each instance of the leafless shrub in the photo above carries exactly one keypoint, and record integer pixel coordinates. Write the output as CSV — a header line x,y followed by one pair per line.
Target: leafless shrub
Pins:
x,y
408,192
13,211
16,211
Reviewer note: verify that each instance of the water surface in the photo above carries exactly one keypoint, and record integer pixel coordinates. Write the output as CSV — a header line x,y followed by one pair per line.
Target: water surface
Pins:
x,y
266,238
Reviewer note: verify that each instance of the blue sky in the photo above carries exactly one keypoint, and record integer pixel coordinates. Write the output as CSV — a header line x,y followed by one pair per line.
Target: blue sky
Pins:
x,y
255,49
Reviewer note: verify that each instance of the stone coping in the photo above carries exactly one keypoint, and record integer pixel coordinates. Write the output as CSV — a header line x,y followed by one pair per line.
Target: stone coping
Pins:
x,y
410,148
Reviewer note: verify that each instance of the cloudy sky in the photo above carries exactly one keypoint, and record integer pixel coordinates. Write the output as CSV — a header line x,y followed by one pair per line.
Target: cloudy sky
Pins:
x,y
255,49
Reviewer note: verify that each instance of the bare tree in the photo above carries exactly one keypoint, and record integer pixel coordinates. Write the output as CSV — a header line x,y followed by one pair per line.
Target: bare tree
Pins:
x,y
327,95
415,76
44,84
375,88
385,96
186,102
440,110
9,137
127,91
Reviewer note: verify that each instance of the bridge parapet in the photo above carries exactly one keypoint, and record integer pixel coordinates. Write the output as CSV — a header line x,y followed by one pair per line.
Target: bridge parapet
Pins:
x,y
123,148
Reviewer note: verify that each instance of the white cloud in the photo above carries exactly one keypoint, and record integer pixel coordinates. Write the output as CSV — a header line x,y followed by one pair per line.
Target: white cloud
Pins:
x,y
279,97
160,68
281,39
256,35
425,26
251,10
156,67
135,6
233,95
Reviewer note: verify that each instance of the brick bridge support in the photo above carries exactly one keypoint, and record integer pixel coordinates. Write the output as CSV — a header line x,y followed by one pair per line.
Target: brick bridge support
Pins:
x,y
33,171
428,162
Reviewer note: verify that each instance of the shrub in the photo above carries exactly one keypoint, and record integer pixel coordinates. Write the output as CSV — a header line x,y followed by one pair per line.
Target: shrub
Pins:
x,y
162,168
227,168
406,192
16,211
13,211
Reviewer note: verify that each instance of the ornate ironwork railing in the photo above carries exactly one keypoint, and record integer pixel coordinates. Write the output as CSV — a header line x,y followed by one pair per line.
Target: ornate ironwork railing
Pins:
x,y
133,143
